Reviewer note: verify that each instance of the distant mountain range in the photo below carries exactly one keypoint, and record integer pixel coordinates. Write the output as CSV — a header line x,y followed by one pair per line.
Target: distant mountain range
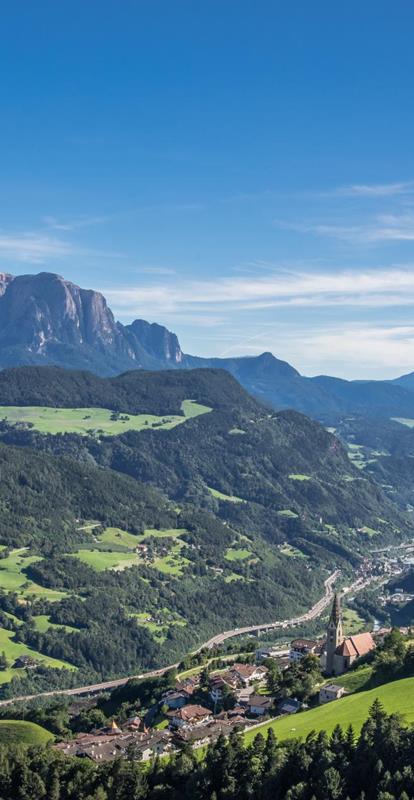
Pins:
x,y
45,319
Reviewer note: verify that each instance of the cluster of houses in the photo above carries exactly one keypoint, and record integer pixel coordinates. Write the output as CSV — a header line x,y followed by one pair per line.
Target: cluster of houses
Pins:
x,y
109,743
240,681
188,721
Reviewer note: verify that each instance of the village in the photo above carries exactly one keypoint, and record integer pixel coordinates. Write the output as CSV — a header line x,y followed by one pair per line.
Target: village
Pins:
x,y
202,706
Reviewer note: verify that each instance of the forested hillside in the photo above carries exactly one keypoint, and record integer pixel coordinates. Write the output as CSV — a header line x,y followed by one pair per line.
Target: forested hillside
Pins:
x,y
383,449
133,392
268,463
166,536
90,550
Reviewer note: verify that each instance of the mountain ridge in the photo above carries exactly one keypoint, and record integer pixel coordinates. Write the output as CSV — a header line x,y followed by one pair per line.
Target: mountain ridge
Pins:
x,y
47,320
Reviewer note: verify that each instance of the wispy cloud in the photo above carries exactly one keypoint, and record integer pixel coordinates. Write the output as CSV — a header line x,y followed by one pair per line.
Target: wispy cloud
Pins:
x,y
381,228
32,248
375,189
348,349
156,270
381,350
73,224
362,287
40,248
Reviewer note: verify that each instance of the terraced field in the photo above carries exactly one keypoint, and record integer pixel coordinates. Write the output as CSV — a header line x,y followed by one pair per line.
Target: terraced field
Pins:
x,y
93,421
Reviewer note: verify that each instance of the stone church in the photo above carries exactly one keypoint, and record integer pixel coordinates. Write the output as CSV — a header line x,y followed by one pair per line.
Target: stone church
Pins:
x,y
340,651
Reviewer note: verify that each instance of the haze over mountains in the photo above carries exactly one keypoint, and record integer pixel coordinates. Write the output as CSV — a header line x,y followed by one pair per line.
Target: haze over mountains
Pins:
x,y
45,319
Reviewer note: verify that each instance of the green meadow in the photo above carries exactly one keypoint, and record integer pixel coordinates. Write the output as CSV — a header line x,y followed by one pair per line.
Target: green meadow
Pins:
x,y
230,498
353,622
42,624
160,626
287,512
396,697
19,731
236,554
234,577
171,533
173,563
116,549
101,560
96,420
293,552
355,680
13,578
14,649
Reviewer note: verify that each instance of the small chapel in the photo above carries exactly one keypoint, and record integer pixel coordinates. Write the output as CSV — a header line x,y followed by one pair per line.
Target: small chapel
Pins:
x,y
340,651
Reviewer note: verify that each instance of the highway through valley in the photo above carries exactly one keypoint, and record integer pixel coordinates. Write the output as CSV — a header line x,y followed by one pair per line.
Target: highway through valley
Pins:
x,y
96,688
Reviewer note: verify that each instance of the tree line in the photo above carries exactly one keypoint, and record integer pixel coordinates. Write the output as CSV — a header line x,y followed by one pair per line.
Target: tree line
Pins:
x,y
377,765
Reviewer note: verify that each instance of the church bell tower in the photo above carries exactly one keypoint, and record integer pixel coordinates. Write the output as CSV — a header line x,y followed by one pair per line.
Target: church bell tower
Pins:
x,y
334,635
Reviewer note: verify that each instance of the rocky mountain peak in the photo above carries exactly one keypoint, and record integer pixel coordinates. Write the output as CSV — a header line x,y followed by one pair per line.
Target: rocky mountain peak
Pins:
x,y
45,318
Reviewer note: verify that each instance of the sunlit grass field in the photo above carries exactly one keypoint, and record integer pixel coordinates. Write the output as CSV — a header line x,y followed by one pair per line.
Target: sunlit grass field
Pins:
x,y
12,577
13,650
18,731
230,498
96,420
396,697
100,555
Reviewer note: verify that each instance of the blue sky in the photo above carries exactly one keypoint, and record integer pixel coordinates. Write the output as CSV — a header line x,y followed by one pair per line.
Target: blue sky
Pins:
x,y
239,171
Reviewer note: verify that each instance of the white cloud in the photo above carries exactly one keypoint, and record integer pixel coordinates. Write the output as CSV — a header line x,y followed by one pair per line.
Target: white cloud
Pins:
x,y
375,288
156,270
382,228
358,350
73,224
348,350
40,248
375,189
32,248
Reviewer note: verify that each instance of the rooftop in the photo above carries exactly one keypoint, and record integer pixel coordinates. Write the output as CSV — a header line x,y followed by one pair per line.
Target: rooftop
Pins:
x,y
356,646
190,712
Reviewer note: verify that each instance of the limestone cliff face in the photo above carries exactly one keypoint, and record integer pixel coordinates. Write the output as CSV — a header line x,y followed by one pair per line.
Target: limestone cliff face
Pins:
x,y
5,279
156,340
47,319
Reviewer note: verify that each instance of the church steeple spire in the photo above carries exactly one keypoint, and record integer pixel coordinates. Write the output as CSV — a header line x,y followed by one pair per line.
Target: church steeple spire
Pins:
x,y
334,636
335,617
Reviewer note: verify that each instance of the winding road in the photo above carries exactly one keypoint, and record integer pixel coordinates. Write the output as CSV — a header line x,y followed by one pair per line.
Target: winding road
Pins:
x,y
95,688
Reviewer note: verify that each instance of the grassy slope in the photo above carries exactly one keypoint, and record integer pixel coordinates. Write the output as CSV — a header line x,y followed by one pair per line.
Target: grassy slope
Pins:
x,y
221,496
101,560
20,732
42,624
14,649
12,577
397,697
83,420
